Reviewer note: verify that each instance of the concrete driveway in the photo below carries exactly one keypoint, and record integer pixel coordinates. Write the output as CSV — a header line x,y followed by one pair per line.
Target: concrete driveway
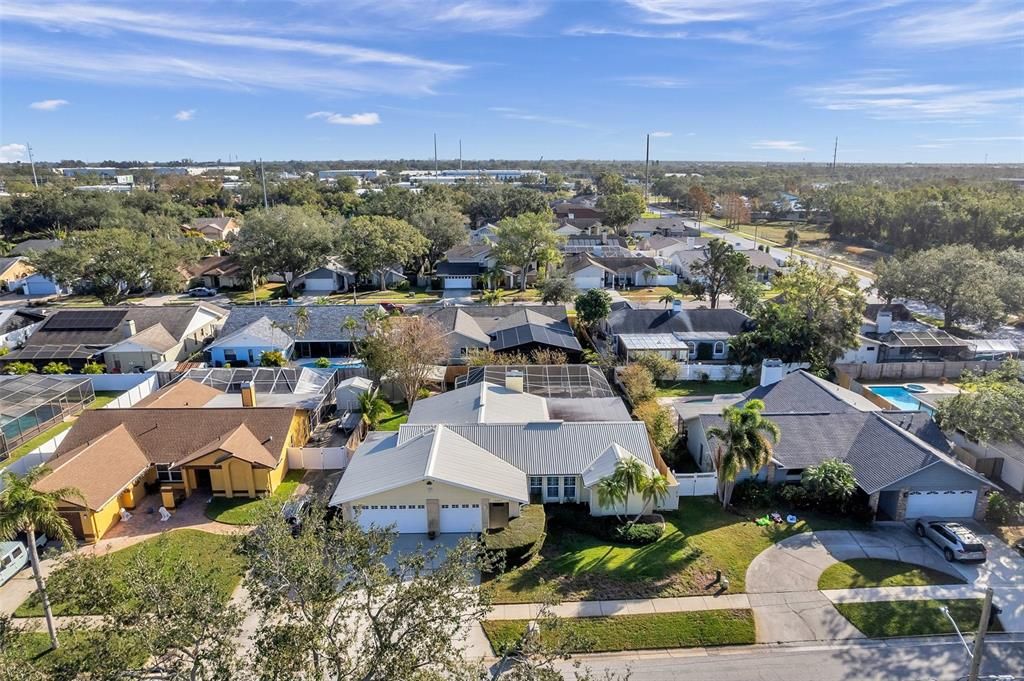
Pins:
x,y
406,544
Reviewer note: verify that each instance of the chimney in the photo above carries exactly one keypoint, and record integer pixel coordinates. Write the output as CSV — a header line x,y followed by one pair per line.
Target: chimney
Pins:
x,y
677,306
128,328
691,243
248,394
884,321
514,380
772,371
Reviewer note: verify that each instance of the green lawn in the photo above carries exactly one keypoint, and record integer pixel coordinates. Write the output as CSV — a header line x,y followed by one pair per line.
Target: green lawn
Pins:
x,y
912,618
640,632
103,398
692,388
245,511
509,295
654,293
270,291
34,648
399,415
699,539
412,296
860,573
213,551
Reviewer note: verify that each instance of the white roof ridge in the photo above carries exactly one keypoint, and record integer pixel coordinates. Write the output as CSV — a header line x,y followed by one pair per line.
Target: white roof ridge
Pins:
x,y
432,454
483,402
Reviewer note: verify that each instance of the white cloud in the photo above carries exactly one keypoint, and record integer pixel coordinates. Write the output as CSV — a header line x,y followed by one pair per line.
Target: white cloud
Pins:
x,y
519,115
998,138
351,119
185,115
883,96
482,14
698,11
779,145
657,82
958,24
661,133
932,146
584,31
9,153
49,104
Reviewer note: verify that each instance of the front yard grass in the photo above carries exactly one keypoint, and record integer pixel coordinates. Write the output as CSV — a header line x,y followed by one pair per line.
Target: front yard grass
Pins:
x,y
269,291
699,539
399,415
692,388
215,552
640,632
246,511
861,573
913,618
34,648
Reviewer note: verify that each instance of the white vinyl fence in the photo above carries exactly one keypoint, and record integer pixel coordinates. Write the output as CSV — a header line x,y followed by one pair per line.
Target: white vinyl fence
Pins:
x,y
697,484
134,390
317,458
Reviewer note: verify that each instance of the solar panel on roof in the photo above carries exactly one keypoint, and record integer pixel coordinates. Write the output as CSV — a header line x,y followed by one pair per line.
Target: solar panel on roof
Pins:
x,y
85,320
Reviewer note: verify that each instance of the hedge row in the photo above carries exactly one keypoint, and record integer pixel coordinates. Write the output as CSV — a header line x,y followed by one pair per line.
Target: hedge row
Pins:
x,y
521,540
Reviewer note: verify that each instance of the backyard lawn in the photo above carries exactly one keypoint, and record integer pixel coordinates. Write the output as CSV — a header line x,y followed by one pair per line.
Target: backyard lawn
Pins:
x,y
639,632
912,618
653,293
694,388
399,415
246,511
862,573
215,552
699,539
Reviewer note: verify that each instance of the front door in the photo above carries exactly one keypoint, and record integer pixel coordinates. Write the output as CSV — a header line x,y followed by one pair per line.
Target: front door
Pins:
x,y
203,481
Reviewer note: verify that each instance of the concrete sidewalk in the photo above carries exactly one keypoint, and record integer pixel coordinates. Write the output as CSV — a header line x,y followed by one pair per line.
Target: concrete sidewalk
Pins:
x,y
904,593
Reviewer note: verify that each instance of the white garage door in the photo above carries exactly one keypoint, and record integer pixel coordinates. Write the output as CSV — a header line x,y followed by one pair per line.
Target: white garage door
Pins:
x,y
458,282
404,518
320,285
460,518
942,503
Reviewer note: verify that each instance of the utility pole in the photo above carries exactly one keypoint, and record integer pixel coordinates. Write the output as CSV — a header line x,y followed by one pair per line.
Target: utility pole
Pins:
x,y
647,175
263,181
435,155
460,154
835,155
35,180
979,638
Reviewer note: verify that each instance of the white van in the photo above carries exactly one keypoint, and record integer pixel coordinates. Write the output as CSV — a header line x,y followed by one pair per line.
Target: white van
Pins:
x,y
13,557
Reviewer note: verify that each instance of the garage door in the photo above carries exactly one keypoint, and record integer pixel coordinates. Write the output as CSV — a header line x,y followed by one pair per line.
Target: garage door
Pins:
x,y
404,518
320,285
942,503
458,282
460,518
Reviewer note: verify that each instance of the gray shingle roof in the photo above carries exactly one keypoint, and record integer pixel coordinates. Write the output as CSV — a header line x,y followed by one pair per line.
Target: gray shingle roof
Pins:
x,y
325,321
801,393
510,326
625,320
40,245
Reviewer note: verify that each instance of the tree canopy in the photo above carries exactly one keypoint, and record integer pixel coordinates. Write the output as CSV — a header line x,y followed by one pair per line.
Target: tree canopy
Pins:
x,y
723,270
371,244
284,240
990,407
621,209
525,239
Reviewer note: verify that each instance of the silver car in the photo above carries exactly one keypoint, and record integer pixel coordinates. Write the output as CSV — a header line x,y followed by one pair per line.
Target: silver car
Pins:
x,y
956,541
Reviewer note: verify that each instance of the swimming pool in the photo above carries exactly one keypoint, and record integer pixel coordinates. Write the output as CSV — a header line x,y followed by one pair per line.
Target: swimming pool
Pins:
x,y
899,396
342,363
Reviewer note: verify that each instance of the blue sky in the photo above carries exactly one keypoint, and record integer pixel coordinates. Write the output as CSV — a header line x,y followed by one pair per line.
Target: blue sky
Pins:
x,y
896,80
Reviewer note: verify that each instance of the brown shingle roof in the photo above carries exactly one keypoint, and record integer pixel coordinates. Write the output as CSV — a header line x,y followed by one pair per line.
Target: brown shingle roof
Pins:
x,y
182,394
239,443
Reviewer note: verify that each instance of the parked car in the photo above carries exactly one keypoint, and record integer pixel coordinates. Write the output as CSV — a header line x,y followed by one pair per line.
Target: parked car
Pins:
x,y
956,541
294,513
202,292
13,557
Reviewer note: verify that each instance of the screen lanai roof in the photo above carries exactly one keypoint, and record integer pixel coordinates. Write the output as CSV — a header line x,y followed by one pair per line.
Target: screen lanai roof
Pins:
x,y
21,394
545,380
652,341
932,338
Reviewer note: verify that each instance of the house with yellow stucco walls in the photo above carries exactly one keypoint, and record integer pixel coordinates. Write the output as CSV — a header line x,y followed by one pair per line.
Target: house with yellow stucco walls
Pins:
x,y
144,458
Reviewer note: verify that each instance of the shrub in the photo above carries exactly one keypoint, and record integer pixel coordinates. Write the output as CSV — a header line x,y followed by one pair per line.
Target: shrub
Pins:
x,y
56,368
661,368
273,358
93,368
520,541
322,363
753,494
638,383
577,518
1004,511
660,425
422,393
795,496
403,285
20,368
832,483
639,534
4,350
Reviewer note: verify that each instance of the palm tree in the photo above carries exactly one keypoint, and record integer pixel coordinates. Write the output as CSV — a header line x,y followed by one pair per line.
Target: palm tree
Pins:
x,y
373,408
653,490
632,472
491,297
668,298
611,492
24,509
745,443
349,326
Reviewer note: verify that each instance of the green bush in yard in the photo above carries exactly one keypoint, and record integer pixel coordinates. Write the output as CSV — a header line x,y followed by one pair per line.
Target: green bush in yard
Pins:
x,y
1004,511
639,534
520,541
577,517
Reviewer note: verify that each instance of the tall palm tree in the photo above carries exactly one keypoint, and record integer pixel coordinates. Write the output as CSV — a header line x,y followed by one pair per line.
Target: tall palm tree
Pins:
x,y
24,509
745,443
373,408
653,490
668,298
633,473
611,492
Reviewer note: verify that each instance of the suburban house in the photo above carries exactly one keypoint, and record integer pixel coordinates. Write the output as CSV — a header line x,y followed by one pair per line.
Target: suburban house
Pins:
x,y
902,462
336,276
214,229
13,270
128,459
252,330
469,459
218,271
591,271
762,265
463,265
700,335
659,246
601,245
568,229
506,328
30,282
485,234
125,339
582,212
666,226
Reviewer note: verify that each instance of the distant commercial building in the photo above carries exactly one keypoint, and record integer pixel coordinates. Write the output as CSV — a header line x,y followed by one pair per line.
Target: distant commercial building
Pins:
x,y
89,170
358,173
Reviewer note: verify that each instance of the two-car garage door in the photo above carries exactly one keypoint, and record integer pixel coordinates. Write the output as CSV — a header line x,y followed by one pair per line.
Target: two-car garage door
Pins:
x,y
941,503
413,518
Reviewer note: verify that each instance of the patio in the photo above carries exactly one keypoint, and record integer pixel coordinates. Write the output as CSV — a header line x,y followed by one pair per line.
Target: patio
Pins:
x,y
145,523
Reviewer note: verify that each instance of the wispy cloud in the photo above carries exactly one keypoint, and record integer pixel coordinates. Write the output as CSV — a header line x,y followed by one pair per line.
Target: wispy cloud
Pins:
x,y
519,115
996,138
49,104
185,115
661,133
978,23
491,15
585,30
657,82
368,118
698,11
468,16
9,153
883,96
779,145
736,37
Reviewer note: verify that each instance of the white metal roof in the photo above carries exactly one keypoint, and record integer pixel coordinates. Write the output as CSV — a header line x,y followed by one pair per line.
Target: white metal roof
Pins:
x,y
652,341
605,464
480,403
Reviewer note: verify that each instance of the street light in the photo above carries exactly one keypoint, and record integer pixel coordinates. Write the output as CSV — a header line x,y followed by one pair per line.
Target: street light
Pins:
x,y
975,655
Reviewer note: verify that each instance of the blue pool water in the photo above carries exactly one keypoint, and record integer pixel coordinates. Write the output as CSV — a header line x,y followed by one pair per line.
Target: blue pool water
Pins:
x,y
900,397
336,364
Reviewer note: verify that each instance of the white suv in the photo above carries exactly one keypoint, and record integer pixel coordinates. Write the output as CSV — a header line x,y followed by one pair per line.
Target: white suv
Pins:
x,y
956,541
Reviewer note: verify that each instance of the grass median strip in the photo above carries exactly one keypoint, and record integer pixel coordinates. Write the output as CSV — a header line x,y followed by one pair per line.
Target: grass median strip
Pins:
x,y
640,632
860,573
912,618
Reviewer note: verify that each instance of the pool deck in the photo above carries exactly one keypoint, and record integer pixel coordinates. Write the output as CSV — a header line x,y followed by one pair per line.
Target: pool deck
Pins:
x,y
934,393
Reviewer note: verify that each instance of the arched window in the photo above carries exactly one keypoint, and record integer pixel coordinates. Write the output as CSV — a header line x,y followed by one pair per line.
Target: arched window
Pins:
x,y
719,347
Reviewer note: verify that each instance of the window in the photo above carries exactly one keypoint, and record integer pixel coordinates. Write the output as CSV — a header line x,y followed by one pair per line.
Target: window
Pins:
x,y
719,347
165,474
552,487
569,487
536,484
